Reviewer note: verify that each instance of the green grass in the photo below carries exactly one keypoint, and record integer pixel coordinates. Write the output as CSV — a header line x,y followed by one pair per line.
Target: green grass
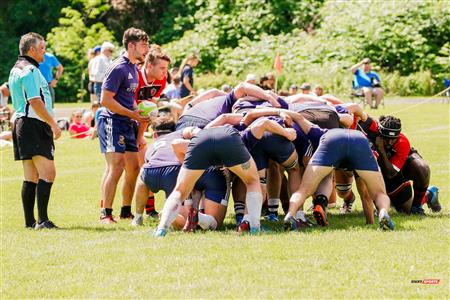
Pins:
x,y
346,260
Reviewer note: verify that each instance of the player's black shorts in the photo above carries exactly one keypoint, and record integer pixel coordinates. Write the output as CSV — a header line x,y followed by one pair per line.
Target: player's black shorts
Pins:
x,y
32,137
191,121
400,195
220,146
321,117
272,146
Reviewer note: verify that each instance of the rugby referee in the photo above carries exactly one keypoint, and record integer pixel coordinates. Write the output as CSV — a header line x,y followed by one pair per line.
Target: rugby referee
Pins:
x,y
34,129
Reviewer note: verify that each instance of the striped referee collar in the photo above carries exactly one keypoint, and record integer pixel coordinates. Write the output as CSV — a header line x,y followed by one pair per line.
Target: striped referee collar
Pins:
x,y
29,59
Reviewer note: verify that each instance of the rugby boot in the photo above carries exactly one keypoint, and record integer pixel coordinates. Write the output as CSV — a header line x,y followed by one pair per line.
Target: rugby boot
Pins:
x,y
152,214
272,217
417,210
320,215
107,219
46,225
191,221
386,223
433,199
346,207
292,224
307,223
160,232
245,227
137,221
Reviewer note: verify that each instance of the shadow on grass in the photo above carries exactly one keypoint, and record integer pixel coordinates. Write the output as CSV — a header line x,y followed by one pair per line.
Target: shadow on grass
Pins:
x,y
338,222
97,228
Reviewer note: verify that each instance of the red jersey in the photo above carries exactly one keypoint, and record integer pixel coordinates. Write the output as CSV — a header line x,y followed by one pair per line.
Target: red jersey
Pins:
x,y
148,90
398,153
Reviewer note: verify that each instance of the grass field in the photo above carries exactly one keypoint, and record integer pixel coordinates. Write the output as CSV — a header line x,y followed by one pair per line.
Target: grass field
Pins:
x,y
346,260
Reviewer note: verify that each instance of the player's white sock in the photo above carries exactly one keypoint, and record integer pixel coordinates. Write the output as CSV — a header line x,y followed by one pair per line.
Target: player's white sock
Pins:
x,y
254,204
138,215
207,221
382,213
273,204
170,210
300,215
288,216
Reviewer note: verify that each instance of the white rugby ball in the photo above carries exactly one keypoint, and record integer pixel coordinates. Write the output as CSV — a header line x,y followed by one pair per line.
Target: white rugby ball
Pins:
x,y
148,108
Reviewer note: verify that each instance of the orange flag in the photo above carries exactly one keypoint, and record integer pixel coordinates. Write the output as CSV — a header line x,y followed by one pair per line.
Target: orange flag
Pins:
x,y
277,65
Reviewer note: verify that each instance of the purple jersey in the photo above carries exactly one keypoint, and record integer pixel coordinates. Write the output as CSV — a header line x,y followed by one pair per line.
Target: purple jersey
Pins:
x,y
121,79
301,142
247,105
314,135
161,153
248,139
211,109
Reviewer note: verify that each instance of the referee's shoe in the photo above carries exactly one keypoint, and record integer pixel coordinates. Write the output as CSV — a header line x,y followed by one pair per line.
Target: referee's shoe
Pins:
x,y
46,225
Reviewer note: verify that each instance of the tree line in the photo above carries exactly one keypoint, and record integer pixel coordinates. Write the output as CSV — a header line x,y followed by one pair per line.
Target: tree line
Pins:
x,y
318,40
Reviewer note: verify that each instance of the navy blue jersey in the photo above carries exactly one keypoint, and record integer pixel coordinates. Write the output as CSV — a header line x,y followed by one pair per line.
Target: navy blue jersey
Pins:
x,y
121,79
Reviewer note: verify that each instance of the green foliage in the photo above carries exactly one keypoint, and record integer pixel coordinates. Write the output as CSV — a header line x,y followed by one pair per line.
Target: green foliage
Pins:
x,y
408,37
78,31
22,16
221,25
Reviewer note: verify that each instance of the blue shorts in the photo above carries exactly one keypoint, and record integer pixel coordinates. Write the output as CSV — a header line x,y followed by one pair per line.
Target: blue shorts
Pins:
x,y
219,146
346,149
116,135
161,179
191,121
214,183
274,147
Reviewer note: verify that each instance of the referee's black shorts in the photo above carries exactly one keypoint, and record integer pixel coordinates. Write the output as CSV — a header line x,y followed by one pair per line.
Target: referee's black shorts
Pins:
x,y
32,137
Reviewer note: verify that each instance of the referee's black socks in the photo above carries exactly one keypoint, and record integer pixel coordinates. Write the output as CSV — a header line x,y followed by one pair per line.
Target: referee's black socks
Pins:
x,y
43,195
28,198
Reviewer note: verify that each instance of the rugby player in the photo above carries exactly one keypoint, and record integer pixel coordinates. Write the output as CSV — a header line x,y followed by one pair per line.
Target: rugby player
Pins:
x,y
214,147
338,148
399,164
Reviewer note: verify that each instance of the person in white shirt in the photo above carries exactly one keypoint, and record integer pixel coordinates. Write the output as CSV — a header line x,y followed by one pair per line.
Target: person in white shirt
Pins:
x,y
99,66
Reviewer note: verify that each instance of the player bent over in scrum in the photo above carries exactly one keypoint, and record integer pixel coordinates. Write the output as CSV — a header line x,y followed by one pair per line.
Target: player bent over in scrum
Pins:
x,y
339,148
160,172
214,147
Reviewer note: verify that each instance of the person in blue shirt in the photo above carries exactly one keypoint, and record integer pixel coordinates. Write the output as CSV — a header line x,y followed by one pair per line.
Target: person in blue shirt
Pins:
x,y
368,81
46,67
34,129
186,73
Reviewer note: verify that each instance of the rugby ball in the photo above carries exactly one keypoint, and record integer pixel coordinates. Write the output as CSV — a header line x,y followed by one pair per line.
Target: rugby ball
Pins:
x,y
148,108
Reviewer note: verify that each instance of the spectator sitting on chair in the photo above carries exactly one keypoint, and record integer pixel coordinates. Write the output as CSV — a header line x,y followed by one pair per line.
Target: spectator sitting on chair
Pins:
x,y
369,81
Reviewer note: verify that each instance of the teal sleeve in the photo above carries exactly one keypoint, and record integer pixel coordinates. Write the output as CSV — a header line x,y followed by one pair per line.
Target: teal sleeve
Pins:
x,y
30,83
